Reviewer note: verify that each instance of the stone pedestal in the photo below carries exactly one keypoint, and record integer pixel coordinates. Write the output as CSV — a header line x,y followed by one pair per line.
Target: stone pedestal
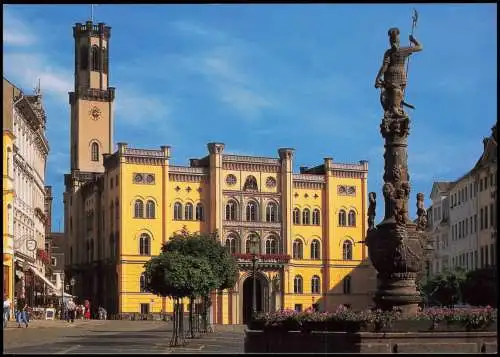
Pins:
x,y
396,246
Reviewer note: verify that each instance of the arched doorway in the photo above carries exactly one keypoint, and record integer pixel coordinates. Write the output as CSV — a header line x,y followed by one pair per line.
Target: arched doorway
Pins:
x,y
248,298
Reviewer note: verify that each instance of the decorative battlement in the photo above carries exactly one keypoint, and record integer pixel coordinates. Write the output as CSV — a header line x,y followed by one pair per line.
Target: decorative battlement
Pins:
x,y
250,159
91,30
188,170
308,178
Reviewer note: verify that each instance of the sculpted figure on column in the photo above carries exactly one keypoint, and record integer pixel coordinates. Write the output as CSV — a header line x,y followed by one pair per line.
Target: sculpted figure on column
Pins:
x,y
391,77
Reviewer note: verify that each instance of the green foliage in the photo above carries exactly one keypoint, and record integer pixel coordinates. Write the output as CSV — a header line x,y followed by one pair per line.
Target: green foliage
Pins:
x,y
176,275
223,264
480,287
445,288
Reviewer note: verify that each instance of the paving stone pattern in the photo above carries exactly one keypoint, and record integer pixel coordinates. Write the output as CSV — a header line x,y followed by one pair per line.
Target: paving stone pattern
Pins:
x,y
94,336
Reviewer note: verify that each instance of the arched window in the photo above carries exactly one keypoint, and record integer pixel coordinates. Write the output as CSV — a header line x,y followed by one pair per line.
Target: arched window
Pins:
x,y
143,283
272,245
351,218
315,253
315,285
199,212
316,217
297,249
250,240
342,218
145,244
251,211
231,208
117,210
347,284
138,209
297,284
96,57
306,216
347,250
95,152
188,212
296,216
272,212
84,58
177,211
232,244
111,214
250,184
150,209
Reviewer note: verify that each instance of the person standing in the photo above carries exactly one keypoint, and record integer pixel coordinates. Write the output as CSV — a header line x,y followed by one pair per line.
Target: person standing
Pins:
x,y
21,312
87,310
71,308
6,310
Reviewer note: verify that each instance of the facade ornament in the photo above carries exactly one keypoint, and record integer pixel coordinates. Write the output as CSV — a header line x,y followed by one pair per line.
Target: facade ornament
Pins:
x,y
421,212
372,208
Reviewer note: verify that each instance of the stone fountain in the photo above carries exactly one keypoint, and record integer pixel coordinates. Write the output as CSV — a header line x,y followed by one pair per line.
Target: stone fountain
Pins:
x,y
397,246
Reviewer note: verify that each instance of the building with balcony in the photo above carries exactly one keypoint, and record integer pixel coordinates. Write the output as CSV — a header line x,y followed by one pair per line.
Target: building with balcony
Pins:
x,y
121,206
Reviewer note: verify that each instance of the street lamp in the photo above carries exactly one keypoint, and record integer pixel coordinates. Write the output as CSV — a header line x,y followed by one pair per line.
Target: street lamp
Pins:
x,y
254,250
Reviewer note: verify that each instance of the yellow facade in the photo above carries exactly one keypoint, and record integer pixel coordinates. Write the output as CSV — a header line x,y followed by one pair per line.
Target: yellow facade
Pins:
x,y
121,209
8,214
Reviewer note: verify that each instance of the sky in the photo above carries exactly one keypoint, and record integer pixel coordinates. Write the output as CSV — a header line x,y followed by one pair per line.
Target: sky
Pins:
x,y
258,77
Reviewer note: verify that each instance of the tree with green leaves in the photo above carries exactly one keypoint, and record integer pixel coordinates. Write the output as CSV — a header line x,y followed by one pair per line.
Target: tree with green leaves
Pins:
x,y
177,275
223,264
444,289
480,287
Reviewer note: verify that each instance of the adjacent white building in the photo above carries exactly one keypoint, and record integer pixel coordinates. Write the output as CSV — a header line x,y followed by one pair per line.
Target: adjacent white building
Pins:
x,y
30,151
439,226
462,217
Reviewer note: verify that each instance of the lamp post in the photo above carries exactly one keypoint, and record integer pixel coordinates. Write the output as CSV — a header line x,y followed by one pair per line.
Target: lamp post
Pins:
x,y
254,249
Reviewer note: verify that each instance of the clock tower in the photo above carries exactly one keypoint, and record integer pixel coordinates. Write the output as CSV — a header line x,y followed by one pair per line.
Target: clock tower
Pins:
x,y
92,100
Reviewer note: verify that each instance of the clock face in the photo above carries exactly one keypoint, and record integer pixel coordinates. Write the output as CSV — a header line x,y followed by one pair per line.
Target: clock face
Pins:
x,y
31,245
95,113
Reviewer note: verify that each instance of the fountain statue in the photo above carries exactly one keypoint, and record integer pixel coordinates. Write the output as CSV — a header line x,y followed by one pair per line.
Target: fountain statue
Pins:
x,y
397,245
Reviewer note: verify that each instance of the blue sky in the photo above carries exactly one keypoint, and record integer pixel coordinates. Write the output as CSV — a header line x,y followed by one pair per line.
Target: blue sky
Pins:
x,y
259,77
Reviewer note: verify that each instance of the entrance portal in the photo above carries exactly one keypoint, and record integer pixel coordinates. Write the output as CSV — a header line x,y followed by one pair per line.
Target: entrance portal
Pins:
x,y
248,298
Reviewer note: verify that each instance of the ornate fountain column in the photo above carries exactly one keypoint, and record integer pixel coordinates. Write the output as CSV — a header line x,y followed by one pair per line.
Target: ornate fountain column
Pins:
x,y
397,245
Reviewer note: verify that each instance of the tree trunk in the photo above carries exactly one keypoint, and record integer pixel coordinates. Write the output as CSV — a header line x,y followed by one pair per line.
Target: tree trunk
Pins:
x,y
191,327
205,313
178,325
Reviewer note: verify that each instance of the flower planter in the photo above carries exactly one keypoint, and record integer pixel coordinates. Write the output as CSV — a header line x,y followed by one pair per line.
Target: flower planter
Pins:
x,y
308,326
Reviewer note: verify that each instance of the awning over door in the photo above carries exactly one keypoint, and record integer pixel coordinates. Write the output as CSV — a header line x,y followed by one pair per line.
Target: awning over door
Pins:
x,y
41,276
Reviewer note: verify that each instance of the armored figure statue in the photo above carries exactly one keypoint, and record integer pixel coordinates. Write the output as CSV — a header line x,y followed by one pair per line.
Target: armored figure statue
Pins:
x,y
421,212
393,72
372,198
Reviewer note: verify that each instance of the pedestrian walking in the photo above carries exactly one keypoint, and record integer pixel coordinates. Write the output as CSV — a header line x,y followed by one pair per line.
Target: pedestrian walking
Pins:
x,y
21,312
6,310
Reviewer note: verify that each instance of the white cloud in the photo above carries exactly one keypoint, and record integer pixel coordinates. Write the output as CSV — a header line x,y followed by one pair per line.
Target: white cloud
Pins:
x,y
223,66
135,109
15,32
26,68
